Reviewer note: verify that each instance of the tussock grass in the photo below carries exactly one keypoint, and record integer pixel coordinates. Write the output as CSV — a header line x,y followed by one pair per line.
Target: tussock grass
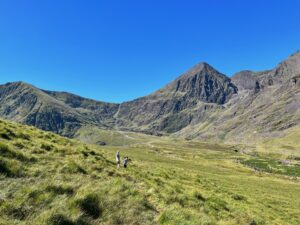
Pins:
x,y
90,205
60,189
59,219
48,179
11,168
6,151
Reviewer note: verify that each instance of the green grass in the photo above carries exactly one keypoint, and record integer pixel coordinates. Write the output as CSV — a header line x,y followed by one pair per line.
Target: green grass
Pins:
x,y
48,179
287,145
273,166
92,134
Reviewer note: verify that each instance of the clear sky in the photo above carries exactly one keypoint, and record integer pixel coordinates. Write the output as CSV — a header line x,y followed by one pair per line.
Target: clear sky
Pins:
x,y
117,50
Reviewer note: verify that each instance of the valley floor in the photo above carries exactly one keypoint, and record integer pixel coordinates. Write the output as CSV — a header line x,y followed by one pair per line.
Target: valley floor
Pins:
x,y
48,179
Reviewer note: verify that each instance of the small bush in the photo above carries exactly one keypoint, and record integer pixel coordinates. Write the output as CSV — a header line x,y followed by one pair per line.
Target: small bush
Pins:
x,y
90,205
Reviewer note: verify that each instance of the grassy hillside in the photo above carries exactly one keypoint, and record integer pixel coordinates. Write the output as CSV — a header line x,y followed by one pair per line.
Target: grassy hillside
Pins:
x,y
287,145
48,179
94,135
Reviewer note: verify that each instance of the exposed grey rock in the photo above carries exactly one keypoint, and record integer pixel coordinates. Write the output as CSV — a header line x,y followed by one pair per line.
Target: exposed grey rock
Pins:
x,y
246,80
50,110
169,109
201,103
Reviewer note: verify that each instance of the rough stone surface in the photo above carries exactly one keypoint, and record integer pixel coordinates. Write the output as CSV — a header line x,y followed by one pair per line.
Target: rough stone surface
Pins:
x,y
201,103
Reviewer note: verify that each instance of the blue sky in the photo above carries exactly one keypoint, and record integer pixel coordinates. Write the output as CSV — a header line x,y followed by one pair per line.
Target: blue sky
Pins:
x,y
117,50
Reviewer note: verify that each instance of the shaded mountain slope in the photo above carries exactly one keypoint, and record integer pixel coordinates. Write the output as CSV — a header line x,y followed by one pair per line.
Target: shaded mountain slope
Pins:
x,y
201,103
267,103
52,111
183,101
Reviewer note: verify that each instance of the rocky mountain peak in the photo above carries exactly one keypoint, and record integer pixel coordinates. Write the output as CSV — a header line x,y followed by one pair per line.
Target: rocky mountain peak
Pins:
x,y
286,71
190,99
202,66
296,54
204,83
18,86
289,68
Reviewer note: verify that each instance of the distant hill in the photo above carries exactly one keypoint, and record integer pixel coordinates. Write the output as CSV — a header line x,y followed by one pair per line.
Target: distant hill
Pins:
x,y
201,103
59,112
180,103
267,103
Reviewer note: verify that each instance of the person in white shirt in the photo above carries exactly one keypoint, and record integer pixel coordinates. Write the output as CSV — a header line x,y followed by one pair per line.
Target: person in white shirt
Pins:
x,y
118,159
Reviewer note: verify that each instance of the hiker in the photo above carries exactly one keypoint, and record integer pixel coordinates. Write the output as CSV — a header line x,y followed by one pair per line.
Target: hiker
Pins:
x,y
125,161
118,158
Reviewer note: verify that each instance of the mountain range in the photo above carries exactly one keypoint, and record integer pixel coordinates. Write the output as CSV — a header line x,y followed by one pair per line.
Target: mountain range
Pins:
x,y
202,103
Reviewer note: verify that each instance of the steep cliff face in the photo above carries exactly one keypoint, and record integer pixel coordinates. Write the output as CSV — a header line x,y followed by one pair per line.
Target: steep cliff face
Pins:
x,y
203,83
286,70
178,103
267,103
170,109
246,80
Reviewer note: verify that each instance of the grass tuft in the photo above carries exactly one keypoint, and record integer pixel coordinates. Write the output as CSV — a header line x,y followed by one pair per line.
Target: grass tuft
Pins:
x,y
73,167
11,168
5,136
239,197
90,205
60,190
198,196
46,147
60,219
23,136
6,151
216,204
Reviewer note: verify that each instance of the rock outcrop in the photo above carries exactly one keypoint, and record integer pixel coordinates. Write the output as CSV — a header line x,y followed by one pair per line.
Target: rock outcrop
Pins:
x,y
201,103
